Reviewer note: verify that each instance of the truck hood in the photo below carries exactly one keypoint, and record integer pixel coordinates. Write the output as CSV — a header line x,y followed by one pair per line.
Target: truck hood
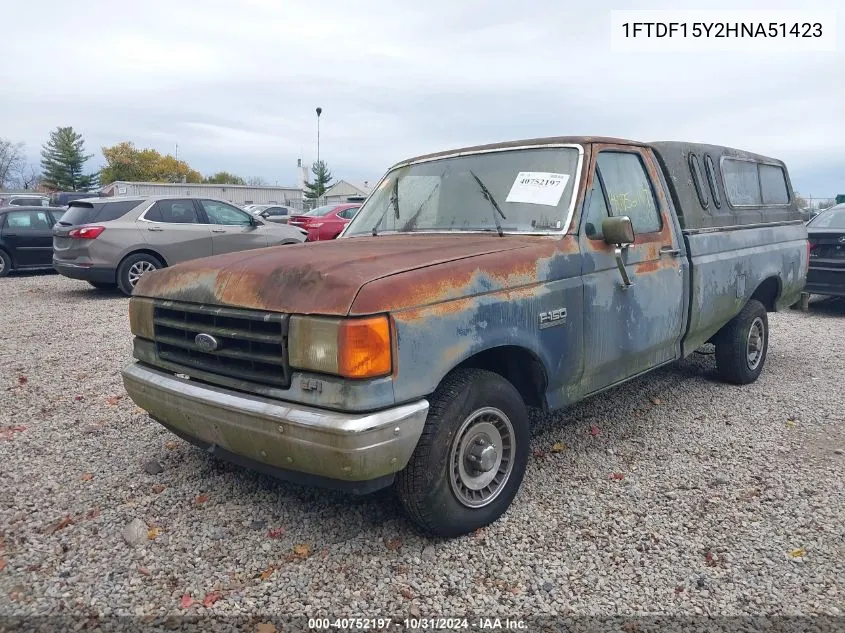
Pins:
x,y
318,277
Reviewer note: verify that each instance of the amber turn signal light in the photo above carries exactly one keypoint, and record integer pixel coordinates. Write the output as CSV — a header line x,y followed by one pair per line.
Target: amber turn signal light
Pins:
x,y
364,348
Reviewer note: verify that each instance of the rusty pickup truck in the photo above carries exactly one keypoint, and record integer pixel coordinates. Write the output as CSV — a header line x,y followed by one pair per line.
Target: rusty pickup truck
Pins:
x,y
471,285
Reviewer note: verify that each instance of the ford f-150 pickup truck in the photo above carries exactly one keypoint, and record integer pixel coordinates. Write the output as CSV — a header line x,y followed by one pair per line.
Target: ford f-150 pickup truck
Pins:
x,y
472,284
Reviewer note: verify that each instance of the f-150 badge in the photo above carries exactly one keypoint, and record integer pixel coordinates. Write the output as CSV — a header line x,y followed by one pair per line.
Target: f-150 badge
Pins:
x,y
552,318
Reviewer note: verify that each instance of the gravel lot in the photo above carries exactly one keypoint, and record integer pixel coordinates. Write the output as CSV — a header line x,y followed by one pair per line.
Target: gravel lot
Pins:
x,y
675,494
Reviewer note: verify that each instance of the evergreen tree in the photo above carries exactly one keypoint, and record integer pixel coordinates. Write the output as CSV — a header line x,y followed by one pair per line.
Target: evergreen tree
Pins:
x,y
62,159
322,181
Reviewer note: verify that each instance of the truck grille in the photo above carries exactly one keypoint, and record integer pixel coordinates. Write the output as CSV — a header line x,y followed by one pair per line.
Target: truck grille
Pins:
x,y
251,345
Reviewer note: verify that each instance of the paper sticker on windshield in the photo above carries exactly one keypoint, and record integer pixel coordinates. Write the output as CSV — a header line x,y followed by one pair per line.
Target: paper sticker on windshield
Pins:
x,y
538,187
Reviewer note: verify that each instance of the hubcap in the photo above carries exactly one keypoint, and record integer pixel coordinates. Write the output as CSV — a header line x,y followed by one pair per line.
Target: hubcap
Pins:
x,y
755,343
2,264
137,270
482,457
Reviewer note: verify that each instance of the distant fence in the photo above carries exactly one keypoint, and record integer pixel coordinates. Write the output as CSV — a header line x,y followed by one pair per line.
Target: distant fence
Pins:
x,y
817,203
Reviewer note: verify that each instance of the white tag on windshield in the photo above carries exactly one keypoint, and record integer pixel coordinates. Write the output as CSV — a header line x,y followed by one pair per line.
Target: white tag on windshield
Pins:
x,y
538,187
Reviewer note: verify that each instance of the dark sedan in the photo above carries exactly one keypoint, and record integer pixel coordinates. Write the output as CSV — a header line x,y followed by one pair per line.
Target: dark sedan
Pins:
x,y
826,231
26,237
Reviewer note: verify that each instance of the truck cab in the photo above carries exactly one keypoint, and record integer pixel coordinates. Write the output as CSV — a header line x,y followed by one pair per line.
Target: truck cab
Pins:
x,y
471,285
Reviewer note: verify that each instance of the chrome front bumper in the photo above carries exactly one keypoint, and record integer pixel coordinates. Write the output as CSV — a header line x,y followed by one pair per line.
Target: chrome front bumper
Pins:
x,y
287,438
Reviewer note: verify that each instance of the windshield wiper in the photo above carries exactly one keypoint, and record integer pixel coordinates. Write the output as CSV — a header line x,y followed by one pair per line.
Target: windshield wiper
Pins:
x,y
489,196
394,202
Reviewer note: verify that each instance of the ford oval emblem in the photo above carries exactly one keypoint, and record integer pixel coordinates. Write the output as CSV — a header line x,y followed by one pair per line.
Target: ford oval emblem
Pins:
x,y
842,239
206,342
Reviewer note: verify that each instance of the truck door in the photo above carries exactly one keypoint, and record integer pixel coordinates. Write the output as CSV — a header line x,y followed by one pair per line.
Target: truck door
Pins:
x,y
628,330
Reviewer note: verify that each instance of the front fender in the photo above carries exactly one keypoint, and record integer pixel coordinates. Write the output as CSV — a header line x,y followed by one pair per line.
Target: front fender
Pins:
x,y
433,340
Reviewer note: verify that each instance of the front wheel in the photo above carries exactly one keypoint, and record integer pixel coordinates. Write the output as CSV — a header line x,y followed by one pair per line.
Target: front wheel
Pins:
x,y
471,456
742,346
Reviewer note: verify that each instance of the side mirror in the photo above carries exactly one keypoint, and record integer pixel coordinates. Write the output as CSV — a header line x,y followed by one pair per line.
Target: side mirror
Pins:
x,y
256,222
618,230
264,214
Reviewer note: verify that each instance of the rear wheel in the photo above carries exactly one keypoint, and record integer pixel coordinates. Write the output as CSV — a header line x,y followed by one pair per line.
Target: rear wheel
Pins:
x,y
742,346
133,268
5,263
471,457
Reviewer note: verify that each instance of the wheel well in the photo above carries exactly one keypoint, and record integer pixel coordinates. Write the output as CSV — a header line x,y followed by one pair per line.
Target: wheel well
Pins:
x,y
767,293
145,251
519,367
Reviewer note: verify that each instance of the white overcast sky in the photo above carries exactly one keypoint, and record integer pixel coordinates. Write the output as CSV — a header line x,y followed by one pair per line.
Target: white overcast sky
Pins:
x,y
236,84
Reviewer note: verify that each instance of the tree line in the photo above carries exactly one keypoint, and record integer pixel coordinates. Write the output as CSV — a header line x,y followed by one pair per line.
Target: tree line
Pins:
x,y
63,159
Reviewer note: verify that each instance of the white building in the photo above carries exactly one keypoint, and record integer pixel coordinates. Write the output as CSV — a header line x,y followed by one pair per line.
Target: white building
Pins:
x,y
236,194
345,191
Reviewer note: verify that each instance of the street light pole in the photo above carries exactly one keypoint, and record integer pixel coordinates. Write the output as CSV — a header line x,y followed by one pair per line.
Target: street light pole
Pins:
x,y
319,112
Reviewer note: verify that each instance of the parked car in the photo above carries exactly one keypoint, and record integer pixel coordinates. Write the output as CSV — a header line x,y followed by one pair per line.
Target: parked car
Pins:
x,y
64,198
26,237
326,222
471,284
826,231
272,212
23,200
114,241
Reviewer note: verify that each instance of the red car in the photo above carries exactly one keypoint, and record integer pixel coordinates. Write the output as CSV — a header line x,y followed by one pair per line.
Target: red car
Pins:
x,y
325,223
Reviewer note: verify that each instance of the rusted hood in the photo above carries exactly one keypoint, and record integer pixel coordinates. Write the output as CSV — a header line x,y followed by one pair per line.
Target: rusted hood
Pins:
x,y
314,278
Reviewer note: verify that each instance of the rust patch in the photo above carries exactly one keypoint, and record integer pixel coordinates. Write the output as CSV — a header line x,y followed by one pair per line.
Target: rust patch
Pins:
x,y
466,277
648,267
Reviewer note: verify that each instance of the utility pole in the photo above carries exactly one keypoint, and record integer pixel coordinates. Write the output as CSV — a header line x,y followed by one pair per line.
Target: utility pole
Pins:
x,y
319,112
177,151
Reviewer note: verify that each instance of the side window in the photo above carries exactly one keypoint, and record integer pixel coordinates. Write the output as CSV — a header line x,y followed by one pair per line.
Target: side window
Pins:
x,y
173,212
222,213
773,185
28,220
711,178
113,210
742,183
57,214
698,180
596,211
629,190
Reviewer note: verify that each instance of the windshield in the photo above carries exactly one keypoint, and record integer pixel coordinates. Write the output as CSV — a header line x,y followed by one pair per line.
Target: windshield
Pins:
x,y
321,211
531,187
833,218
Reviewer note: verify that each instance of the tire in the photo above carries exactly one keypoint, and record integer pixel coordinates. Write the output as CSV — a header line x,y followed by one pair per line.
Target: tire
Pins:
x,y
5,263
469,403
738,359
129,267
102,285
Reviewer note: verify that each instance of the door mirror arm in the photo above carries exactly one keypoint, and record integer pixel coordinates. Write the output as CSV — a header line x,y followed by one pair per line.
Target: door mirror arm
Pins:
x,y
619,232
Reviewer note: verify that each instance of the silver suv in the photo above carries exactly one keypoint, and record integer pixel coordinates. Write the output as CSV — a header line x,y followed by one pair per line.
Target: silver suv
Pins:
x,y
113,241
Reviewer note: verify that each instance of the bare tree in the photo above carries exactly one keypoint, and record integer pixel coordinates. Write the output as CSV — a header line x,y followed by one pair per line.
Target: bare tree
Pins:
x,y
29,177
256,181
12,163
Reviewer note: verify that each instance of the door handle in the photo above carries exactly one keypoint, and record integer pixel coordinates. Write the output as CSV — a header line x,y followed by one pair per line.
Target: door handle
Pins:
x,y
155,228
218,230
668,250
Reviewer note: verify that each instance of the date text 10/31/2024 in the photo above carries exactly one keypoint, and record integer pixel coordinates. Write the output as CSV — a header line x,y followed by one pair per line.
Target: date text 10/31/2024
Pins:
x,y
432,624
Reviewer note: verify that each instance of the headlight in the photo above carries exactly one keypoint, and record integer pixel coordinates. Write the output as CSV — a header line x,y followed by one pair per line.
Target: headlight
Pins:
x,y
352,348
141,317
